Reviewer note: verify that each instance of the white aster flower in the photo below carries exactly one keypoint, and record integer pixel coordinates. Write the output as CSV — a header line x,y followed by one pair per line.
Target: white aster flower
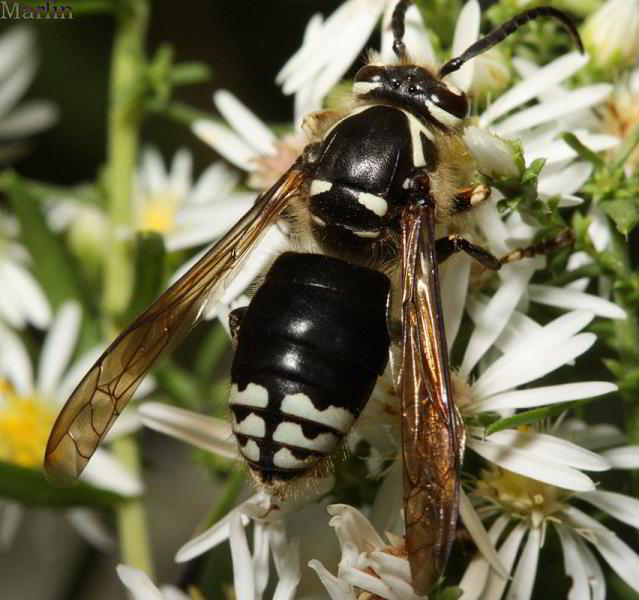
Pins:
x,y
520,507
29,403
18,64
611,34
142,588
22,300
186,213
265,511
369,564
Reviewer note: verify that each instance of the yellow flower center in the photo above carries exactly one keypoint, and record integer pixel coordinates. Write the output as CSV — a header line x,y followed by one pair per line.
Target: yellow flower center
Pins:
x,y
158,214
519,495
25,423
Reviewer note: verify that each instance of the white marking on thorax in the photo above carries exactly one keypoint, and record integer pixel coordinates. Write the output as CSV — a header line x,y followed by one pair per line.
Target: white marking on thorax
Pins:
x,y
284,459
374,203
292,434
443,116
416,127
251,451
319,186
365,234
300,405
251,425
363,87
253,395
318,221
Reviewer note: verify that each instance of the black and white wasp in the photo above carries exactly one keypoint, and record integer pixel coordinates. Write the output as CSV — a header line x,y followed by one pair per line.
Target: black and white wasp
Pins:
x,y
362,203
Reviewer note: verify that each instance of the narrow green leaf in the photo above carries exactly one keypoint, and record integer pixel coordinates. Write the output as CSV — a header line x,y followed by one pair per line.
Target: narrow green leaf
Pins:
x,y
28,486
53,266
583,151
623,212
529,417
187,73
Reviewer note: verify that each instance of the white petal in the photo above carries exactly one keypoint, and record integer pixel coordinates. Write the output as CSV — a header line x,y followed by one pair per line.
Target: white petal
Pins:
x,y
128,422
551,448
574,300
170,592
215,183
351,526
558,150
573,565
454,288
337,589
476,574
521,586
543,396
91,528
153,171
551,74
525,463
15,44
108,473
466,33
208,433
626,457
179,180
507,553
621,507
75,373
565,181
15,363
213,536
58,347
27,291
290,573
257,135
518,328
416,37
138,583
367,582
260,559
596,578
244,583
493,319
225,141
478,533
15,84
27,119
621,558
521,365
573,101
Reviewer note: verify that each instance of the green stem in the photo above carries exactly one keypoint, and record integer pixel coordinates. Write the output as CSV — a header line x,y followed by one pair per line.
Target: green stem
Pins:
x,y
131,516
124,121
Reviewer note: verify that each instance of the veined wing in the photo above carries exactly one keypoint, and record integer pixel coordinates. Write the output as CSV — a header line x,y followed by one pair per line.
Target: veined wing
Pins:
x,y
431,434
105,390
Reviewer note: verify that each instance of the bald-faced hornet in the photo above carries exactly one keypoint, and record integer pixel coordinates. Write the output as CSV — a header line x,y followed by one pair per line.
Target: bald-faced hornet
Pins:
x,y
359,285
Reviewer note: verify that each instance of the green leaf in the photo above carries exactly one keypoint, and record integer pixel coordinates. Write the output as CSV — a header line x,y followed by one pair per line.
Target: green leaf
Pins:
x,y
53,266
150,259
583,151
448,593
624,213
529,417
29,486
187,73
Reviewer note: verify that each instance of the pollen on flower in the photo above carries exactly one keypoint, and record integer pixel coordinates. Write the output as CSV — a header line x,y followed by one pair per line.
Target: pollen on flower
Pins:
x,y
620,114
269,168
520,496
25,423
461,391
158,214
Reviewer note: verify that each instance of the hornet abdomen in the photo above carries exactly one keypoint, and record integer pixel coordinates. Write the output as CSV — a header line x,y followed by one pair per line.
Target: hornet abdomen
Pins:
x,y
310,347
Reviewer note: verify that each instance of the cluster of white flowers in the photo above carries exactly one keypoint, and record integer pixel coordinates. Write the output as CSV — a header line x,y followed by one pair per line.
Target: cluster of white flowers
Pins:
x,y
534,481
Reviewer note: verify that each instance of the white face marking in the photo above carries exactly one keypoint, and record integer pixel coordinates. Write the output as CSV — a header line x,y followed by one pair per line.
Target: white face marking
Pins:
x,y
293,435
443,116
300,405
252,395
284,459
453,90
363,87
374,203
366,234
318,186
318,221
252,425
251,451
416,128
